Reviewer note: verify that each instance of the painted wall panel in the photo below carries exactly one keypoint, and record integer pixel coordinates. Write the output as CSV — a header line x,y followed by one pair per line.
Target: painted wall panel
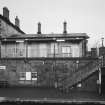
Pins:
x,y
33,50
75,51
37,50
3,54
43,50
20,50
81,49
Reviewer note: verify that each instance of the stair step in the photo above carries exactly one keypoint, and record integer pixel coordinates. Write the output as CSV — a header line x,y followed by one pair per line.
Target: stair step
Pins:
x,y
79,75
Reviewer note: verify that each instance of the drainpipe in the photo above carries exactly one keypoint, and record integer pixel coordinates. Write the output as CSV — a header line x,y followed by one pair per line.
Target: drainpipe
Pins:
x,y
26,48
54,64
99,80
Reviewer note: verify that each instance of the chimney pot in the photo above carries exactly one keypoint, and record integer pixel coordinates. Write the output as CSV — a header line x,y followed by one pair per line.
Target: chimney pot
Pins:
x,y
39,28
65,27
17,21
6,12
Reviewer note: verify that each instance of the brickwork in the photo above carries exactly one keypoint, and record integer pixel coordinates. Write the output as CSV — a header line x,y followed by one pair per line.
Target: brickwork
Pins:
x,y
48,72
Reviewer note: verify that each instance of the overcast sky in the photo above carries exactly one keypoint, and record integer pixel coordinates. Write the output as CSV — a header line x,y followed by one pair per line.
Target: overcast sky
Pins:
x,y
86,16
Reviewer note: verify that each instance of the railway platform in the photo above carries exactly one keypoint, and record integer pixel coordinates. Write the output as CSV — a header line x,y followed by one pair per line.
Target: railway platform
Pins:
x,y
48,96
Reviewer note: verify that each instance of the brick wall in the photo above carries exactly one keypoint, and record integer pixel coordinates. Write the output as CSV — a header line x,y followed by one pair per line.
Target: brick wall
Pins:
x,y
48,71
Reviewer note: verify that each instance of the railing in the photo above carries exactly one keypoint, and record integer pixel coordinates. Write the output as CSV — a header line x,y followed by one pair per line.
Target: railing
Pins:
x,y
79,75
71,70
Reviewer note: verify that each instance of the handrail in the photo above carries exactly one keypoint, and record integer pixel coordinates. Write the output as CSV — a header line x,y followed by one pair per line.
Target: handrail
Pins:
x,y
80,74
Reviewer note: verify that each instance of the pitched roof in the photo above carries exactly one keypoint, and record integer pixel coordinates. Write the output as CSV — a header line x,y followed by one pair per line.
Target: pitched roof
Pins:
x,y
11,24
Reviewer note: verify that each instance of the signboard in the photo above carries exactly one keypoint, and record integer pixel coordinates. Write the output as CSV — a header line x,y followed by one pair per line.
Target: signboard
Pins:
x,y
28,75
2,67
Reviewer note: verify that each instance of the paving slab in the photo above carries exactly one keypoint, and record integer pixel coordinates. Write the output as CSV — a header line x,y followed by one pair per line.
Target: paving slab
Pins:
x,y
48,95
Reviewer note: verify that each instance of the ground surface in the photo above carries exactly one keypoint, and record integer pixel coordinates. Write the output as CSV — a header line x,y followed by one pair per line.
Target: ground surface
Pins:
x,y
48,95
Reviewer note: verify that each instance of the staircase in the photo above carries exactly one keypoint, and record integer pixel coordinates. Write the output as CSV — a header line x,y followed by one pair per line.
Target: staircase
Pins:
x,y
79,75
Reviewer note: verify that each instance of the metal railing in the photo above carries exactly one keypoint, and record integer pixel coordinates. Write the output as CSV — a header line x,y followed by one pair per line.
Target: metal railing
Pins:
x,y
80,74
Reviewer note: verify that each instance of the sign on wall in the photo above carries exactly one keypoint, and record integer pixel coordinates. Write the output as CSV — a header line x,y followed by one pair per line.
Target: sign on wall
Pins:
x,y
28,75
2,67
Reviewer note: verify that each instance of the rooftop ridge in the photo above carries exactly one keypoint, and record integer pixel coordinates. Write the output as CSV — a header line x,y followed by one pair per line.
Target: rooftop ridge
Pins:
x,y
10,23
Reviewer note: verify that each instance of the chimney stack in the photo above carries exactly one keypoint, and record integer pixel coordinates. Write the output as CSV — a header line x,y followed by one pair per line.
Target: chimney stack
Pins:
x,y
39,28
65,28
17,22
6,12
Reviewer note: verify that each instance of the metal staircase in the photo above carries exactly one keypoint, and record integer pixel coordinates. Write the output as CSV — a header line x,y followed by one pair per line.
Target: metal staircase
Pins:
x,y
79,75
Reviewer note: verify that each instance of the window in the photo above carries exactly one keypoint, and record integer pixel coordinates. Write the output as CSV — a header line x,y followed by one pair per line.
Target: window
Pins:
x,y
28,76
20,49
22,75
66,50
10,50
34,75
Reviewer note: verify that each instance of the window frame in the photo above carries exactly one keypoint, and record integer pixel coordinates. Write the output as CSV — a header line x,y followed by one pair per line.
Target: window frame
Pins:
x,y
66,50
34,77
22,77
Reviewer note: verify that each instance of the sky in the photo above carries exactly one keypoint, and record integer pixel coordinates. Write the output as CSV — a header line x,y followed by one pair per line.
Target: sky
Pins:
x,y
82,16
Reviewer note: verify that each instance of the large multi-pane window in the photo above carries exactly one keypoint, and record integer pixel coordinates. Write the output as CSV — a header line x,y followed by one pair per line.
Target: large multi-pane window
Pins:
x,y
13,49
66,51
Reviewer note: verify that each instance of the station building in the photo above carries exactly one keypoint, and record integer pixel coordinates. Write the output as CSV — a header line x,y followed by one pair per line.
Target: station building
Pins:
x,y
44,60
45,45
47,60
